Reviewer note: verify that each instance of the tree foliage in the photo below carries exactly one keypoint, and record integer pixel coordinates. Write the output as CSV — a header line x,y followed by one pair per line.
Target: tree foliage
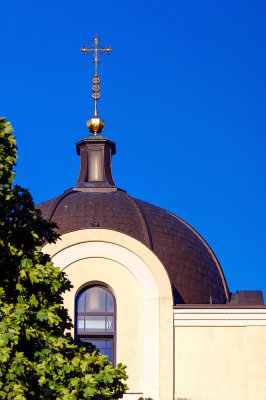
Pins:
x,y
36,360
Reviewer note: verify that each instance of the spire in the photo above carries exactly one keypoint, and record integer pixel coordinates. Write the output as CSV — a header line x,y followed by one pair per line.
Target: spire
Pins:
x,y
95,150
96,124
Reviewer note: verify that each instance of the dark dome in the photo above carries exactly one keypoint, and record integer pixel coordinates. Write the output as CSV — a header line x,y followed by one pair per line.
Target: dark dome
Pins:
x,y
193,269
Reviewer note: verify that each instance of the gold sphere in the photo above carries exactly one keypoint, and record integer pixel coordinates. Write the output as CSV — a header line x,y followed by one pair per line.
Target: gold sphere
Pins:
x,y
95,125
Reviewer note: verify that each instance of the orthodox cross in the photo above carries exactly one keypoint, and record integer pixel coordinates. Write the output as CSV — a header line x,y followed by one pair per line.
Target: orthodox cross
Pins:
x,y
96,50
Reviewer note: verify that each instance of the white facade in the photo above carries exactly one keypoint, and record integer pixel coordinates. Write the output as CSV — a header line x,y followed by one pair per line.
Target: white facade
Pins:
x,y
193,353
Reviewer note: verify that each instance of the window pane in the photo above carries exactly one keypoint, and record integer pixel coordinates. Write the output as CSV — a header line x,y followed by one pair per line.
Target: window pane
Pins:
x,y
110,303
97,343
95,300
99,324
94,324
110,324
80,324
104,346
108,352
81,302
95,170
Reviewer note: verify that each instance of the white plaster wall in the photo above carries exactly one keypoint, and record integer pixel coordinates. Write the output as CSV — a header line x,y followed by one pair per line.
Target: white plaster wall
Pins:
x,y
220,354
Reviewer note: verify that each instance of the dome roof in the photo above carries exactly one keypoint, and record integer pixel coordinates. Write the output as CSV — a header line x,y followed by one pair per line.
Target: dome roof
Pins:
x,y
192,267
95,202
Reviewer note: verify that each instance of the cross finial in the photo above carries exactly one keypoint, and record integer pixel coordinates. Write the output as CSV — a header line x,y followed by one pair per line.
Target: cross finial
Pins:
x,y
96,50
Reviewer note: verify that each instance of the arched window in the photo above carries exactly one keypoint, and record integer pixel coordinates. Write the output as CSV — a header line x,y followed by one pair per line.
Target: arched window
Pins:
x,y
95,319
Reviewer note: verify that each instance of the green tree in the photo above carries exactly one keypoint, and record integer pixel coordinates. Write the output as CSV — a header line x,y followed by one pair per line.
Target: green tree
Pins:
x,y
36,360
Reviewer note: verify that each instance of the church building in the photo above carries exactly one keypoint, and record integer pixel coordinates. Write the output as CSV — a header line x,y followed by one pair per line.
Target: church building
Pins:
x,y
148,290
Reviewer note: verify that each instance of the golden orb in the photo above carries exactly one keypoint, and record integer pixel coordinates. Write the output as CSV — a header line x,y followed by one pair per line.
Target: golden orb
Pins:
x,y
95,125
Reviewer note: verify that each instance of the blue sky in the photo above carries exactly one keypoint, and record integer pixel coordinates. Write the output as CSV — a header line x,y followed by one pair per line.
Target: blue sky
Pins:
x,y
183,97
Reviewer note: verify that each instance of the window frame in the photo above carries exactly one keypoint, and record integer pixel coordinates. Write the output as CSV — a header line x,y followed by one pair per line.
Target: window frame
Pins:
x,y
96,335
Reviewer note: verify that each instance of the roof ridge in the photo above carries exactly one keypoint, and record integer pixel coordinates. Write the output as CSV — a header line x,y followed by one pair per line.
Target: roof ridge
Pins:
x,y
142,219
57,202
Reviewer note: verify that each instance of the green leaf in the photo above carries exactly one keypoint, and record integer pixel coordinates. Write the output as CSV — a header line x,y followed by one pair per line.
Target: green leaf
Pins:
x,y
33,275
42,316
42,380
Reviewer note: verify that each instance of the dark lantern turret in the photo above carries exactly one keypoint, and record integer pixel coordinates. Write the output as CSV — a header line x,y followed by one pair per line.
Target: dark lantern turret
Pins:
x,y
95,162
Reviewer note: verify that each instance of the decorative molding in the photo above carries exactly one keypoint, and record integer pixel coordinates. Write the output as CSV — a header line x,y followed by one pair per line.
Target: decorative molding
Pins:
x,y
221,317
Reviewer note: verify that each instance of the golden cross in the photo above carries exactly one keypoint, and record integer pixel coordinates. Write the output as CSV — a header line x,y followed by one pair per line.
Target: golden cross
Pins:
x,y
96,51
